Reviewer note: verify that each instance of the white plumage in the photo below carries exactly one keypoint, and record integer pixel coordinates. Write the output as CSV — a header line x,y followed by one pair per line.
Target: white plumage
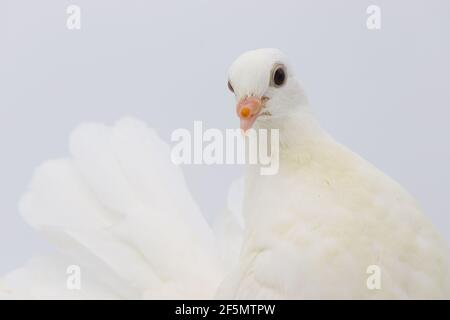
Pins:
x,y
121,210
313,229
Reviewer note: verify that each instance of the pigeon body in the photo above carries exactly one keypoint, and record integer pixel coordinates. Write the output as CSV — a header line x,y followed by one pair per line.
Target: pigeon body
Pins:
x,y
315,229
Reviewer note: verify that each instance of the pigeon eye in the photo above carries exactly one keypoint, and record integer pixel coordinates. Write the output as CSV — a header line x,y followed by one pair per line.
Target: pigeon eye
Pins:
x,y
278,76
230,87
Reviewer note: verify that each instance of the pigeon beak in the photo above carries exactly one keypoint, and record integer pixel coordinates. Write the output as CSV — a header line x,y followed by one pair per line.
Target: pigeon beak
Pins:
x,y
248,110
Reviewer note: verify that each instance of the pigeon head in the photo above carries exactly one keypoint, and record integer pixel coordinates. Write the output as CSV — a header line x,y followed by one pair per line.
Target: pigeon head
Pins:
x,y
265,88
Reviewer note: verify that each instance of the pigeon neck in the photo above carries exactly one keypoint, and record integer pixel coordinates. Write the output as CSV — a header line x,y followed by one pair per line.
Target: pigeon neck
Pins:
x,y
299,131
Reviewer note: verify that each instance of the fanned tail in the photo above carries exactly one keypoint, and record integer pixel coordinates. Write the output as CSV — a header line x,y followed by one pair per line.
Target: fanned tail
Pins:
x,y
120,210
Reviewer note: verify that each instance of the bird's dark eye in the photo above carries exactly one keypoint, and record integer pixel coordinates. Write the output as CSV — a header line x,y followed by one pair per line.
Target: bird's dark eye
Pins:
x,y
230,87
279,76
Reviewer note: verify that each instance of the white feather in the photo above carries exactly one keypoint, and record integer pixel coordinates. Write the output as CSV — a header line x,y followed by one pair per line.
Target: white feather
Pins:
x,y
118,207
313,229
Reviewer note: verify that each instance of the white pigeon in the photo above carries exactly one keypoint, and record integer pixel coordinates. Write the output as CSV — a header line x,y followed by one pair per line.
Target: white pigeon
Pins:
x,y
120,210
329,221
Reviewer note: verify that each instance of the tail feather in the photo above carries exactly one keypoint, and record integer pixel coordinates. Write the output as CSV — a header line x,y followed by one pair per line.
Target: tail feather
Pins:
x,y
119,207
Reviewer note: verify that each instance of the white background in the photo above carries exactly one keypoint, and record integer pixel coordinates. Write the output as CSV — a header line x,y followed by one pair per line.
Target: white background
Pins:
x,y
385,94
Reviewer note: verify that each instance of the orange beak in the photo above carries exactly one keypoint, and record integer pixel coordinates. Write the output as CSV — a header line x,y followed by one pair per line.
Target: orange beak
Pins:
x,y
248,110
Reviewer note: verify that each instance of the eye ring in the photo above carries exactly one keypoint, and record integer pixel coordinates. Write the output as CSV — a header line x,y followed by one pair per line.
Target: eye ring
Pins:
x,y
278,75
230,87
